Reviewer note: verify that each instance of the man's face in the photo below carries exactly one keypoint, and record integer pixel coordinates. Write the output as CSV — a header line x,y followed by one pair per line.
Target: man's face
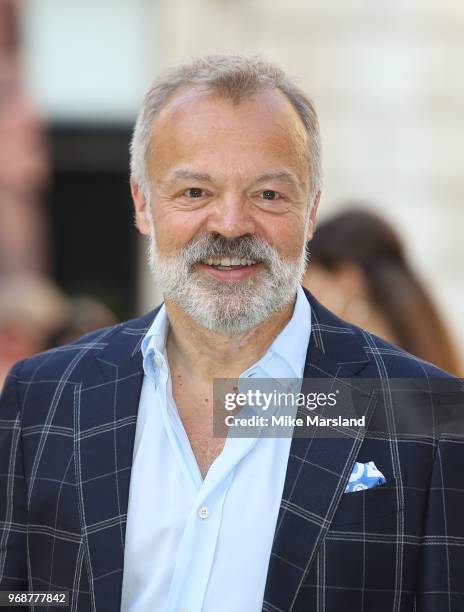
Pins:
x,y
230,211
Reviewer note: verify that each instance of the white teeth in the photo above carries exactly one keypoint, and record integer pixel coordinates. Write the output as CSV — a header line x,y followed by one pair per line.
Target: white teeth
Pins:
x,y
228,261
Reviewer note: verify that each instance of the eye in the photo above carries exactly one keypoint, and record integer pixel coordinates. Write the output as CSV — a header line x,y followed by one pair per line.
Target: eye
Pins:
x,y
270,194
194,192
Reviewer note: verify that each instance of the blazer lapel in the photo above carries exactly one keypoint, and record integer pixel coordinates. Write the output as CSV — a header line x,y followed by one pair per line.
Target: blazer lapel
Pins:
x,y
105,416
318,468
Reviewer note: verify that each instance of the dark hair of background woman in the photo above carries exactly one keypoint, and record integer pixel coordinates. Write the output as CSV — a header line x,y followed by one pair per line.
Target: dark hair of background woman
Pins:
x,y
364,239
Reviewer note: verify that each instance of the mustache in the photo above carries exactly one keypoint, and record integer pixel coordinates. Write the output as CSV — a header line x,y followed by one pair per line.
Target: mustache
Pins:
x,y
215,245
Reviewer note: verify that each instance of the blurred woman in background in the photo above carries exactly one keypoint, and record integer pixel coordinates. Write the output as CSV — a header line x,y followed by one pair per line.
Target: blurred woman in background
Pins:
x,y
358,269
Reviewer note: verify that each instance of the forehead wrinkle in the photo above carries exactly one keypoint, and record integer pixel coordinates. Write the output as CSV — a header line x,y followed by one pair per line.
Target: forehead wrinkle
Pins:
x,y
293,132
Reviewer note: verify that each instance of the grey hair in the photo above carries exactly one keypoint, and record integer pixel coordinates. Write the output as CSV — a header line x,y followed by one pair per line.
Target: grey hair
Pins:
x,y
235,77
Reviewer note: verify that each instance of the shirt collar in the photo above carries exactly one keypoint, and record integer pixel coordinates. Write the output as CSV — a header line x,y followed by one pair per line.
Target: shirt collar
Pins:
x,y
285,358
153,345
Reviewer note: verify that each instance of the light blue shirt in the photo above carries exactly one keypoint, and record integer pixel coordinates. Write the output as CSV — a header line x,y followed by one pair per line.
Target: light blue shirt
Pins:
x,y
197,545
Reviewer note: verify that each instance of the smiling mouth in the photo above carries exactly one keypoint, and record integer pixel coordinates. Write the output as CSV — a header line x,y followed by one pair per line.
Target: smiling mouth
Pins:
x,y
228,263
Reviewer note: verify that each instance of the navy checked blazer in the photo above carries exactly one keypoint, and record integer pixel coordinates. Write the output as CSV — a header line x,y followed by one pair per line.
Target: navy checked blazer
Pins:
x,y
67,425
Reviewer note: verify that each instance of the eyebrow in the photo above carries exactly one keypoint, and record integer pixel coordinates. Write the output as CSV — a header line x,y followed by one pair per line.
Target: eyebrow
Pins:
x,y
277,175
186,174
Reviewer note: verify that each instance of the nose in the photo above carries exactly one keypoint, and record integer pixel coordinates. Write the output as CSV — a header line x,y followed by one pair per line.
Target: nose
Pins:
x,y
231,217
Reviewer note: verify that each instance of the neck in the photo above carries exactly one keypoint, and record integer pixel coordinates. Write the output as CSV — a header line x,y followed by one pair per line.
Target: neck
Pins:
x,y
206,354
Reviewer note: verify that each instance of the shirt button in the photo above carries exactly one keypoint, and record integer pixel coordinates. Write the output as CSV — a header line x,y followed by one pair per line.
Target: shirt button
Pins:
x,y
203,512
158,360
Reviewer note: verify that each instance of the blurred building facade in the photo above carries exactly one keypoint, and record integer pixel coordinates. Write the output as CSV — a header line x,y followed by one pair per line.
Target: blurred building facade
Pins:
x,y
23,160
385,78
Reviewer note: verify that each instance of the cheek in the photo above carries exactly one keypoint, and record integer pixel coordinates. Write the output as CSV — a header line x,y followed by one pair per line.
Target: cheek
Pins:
x,y
174,229
287,235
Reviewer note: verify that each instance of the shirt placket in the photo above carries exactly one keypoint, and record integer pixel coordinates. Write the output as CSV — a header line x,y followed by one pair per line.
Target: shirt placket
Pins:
x,y
202,531
195,553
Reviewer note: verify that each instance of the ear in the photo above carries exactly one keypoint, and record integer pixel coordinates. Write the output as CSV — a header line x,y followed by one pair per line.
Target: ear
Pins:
x,y
140,206
312,217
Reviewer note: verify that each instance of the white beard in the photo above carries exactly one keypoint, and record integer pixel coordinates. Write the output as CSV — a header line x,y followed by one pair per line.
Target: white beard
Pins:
x,y
230,307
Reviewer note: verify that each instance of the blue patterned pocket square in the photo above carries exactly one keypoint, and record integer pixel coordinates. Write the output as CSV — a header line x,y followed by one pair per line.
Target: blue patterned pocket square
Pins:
x,y
364,476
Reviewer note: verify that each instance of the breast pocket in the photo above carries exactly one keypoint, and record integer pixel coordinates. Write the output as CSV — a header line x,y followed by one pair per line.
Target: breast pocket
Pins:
x,y
368,506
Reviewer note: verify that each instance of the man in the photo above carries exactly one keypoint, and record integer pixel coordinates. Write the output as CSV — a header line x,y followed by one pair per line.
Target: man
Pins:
x,y
115,487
